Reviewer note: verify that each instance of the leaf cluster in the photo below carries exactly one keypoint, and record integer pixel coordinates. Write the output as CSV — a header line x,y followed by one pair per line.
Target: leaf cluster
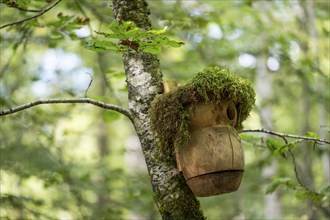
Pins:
x,y
302,192
277,147
169,116
126,35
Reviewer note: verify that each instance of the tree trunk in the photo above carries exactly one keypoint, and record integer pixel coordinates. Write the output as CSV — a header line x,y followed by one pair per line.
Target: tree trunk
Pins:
x,y
325,151
103,142
265,90
144,79
306,173
306,19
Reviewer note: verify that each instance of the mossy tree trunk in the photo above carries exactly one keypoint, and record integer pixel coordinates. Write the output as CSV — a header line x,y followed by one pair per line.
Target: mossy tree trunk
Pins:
x,y
144,79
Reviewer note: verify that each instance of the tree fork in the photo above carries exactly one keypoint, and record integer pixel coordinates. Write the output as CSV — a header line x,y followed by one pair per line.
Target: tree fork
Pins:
x,y
144,78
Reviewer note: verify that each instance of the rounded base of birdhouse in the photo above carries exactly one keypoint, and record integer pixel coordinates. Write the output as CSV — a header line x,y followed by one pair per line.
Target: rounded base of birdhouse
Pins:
x,y
216,183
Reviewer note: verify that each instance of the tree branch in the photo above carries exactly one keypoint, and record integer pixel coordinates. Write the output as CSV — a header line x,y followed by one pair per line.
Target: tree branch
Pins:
x,y
29,10
33,17
70,101
281,135
325,211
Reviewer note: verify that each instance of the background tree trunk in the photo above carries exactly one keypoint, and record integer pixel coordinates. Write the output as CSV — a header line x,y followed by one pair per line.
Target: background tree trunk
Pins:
x,y
144,79
309,47
264,88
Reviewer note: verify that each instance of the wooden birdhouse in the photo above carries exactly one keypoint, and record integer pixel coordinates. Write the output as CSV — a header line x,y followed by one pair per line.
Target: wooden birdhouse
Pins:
x,y
212,161
197,127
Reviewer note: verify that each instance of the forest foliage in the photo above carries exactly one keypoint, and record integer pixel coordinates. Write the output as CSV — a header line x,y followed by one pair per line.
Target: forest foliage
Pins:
x,y
79,161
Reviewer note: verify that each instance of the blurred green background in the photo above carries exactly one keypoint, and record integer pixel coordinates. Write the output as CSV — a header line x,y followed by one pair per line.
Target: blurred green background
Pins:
x,y
82,162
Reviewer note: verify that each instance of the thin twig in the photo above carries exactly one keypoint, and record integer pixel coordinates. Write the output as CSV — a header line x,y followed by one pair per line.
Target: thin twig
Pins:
x,y
68,100
295,168
281,135
28,10
33,17
90,83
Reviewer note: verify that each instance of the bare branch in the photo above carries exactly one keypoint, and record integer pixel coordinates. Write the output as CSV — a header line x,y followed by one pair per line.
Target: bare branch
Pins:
x,y
281,135
68,100
33,17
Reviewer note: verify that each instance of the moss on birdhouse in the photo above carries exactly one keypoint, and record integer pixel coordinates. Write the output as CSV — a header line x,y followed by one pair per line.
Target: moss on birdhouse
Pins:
x,y
169,116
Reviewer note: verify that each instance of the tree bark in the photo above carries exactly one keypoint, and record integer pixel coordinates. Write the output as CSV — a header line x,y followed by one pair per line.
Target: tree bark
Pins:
x,y
144,79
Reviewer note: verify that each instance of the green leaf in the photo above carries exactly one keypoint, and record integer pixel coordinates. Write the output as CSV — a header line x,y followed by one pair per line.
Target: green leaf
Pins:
x,y
273,144
123,27
127,25
174,43
148,41
165,41
34,23
114,27
150,34
286,181
312,134
111,35
277,147
133,33
104,46
152,49
286,147
271,188
156,32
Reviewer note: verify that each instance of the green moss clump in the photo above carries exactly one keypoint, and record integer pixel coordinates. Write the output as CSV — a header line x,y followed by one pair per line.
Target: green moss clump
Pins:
x,y
170,120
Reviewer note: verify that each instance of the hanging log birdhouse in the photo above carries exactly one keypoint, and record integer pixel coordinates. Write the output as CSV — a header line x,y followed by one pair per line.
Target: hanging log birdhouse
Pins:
x,y
196,125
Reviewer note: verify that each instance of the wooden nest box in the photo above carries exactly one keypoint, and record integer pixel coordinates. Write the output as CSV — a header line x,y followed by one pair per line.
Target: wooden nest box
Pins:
x,y
212,161
197,127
